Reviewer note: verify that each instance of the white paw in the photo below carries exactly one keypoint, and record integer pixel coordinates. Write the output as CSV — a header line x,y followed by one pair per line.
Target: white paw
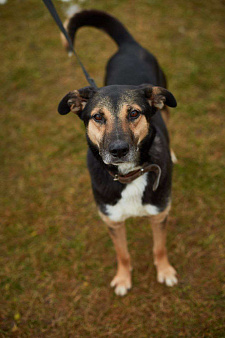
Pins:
x,y
122,284
167,276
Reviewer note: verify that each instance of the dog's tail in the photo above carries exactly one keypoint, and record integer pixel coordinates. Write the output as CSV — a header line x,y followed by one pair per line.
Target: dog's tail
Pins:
x,y
100,20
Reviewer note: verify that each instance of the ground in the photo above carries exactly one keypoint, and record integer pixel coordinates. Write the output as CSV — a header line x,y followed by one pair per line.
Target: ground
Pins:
x,y
57,259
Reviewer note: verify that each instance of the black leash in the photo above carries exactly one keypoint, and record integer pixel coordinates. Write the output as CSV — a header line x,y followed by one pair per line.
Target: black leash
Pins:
x,y
53,12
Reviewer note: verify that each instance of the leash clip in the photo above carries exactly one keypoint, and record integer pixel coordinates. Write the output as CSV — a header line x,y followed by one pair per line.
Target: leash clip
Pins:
x,y
116,178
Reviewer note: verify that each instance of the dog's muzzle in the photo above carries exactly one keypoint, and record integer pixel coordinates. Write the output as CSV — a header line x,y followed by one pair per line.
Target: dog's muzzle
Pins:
x,y
119,149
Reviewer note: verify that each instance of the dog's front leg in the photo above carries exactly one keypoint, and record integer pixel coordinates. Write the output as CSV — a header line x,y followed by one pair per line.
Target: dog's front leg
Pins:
x,y
165,272
122,280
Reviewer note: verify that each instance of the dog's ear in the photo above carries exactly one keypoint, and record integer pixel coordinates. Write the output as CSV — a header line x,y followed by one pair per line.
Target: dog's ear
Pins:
x,y
158,96
75,101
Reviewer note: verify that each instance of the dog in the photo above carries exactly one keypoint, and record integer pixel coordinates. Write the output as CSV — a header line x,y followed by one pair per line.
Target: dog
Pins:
x,y
128,157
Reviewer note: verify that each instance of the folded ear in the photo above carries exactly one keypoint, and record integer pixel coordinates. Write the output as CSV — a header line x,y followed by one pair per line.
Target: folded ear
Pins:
x,y
158,97
75,101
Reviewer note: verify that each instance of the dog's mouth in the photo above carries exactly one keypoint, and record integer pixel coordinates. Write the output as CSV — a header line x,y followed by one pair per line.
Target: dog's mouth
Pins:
x,y
131,157
116,163
123,167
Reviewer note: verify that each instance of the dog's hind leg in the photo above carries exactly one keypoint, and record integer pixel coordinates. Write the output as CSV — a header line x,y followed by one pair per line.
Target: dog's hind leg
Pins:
x,y
122,280
165,272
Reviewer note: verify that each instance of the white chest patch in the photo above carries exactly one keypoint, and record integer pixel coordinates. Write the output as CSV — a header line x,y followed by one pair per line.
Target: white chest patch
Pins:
x,y
130,204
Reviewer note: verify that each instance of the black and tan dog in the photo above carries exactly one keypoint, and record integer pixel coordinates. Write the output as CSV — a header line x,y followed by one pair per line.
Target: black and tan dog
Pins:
x,y
129,155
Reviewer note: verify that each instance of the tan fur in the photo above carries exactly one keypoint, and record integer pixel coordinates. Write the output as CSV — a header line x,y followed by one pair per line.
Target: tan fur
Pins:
x,y
161,216
123,117
97,130
157,99
165,272
139,127
63,39
122,279
119,241
76,103
108,221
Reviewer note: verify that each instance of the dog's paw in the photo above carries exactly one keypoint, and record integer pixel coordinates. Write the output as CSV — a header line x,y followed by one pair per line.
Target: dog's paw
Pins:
x,y
122,284
167,275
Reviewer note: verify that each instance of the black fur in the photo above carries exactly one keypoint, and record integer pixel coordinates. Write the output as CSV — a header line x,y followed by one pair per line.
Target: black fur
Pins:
x,y
127,71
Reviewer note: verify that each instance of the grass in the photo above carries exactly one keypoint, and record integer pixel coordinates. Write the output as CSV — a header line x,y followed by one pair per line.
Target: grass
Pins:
x,y
57,259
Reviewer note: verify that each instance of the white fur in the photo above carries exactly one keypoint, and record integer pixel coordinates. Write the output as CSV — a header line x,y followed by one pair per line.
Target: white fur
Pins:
x,y
167,276
120,290
130,203
72,9
125,168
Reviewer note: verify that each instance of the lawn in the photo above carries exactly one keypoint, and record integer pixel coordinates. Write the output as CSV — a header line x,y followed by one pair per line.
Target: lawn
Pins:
x,y
56,257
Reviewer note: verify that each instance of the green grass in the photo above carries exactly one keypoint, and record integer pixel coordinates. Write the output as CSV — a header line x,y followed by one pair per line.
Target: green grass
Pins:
x,y
56,257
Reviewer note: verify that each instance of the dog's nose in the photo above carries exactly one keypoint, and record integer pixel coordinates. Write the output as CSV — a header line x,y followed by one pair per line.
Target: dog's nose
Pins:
x,y
119,148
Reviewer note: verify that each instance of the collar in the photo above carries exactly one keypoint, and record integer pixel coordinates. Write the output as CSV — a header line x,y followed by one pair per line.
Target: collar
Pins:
x,y
132,175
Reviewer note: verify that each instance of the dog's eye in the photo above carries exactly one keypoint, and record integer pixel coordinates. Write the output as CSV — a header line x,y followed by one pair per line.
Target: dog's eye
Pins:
x,y
134,114
98,117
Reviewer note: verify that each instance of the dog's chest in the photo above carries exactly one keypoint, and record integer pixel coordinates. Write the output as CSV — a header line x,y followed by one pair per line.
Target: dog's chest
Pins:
x,y
130,204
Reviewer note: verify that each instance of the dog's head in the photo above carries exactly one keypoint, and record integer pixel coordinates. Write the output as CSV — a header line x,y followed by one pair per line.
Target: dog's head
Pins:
x,y
117,118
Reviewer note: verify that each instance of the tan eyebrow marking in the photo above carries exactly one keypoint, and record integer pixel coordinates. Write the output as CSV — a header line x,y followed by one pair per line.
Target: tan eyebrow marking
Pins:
x,y
104,111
